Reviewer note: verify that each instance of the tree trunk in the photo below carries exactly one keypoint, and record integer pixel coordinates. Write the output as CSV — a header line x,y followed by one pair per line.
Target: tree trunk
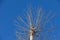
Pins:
x,y
31,37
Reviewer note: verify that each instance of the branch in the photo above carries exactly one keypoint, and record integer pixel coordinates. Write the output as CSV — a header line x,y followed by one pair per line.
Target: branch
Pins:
x,y
20,18
29,15
48,20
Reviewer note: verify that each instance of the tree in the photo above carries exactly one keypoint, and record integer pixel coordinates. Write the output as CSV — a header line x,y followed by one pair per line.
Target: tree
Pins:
x,y
37,28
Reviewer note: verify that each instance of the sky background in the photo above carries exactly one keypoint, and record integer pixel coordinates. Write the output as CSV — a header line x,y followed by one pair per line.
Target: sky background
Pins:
x,y
10,9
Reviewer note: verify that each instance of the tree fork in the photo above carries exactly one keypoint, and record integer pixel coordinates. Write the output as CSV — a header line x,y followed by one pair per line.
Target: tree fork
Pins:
x,y
32,30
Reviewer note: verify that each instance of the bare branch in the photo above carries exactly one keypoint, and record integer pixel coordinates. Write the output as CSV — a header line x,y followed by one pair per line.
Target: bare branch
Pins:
x,y
30,18
30,32
47,20
39,12
22,28
21,19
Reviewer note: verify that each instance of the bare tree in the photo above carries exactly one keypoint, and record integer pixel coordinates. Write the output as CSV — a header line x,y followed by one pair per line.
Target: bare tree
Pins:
x,y
37,28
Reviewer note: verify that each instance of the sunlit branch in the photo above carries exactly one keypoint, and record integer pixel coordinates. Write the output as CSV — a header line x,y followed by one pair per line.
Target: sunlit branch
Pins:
x,y
29,18
18,35
22,28
39,29
38,14
20,19
47,20
37,19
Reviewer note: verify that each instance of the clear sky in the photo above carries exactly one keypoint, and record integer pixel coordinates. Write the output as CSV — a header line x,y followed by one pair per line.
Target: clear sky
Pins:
x,y
9,9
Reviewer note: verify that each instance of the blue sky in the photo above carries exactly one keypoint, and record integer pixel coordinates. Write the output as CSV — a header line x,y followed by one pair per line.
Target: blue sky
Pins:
x,y
10,9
